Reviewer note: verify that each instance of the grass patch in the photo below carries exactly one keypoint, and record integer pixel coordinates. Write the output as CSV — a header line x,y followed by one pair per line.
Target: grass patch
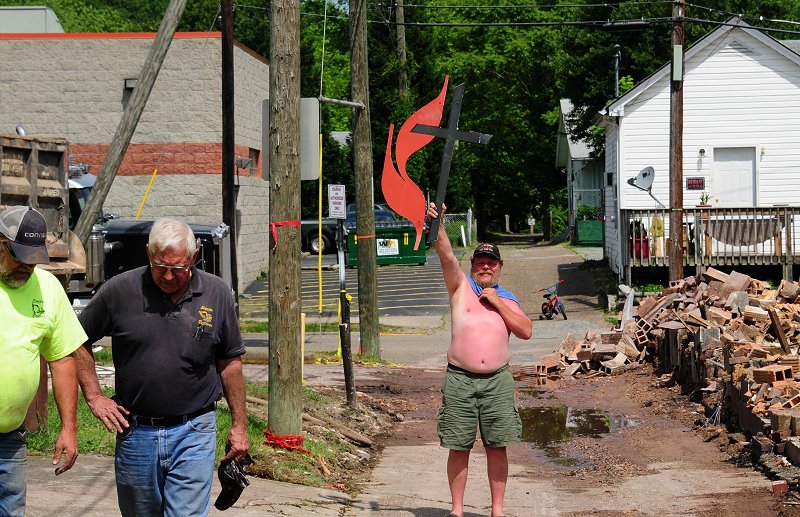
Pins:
x,y
262,327
333,461
648,288
254,327
93,437
103,357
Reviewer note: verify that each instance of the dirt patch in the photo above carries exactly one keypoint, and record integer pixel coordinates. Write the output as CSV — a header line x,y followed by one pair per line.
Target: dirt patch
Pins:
x,y
656,449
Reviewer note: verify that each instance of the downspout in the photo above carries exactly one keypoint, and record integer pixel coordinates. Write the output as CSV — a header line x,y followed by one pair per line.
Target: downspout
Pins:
x,y
618,189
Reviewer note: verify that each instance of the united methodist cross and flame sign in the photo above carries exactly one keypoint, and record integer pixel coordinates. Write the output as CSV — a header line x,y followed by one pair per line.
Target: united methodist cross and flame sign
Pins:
x,y
399,190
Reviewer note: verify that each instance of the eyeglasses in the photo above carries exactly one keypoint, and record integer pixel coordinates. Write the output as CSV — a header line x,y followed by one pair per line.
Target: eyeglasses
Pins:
x,y
163,268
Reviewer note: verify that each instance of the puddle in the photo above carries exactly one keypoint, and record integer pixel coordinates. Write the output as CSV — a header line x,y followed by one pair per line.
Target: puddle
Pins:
x,y
535,393
547,427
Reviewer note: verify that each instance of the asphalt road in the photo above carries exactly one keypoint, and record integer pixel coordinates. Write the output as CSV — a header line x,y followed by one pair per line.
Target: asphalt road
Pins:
x,y
403,290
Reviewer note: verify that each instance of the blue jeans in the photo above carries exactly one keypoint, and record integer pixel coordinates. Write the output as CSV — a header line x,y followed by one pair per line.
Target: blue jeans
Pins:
x,y
13,473
166,471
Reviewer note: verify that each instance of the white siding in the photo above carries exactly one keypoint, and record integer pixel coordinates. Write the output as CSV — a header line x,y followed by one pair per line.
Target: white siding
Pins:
x,y
612,237
738,92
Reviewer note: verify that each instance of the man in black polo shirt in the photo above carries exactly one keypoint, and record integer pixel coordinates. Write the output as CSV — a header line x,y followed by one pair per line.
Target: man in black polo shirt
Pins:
x,y
177,349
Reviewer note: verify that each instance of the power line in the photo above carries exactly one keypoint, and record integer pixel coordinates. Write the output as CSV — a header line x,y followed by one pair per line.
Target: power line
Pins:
x,y
638,23
629,24
428,6
729,24
530,6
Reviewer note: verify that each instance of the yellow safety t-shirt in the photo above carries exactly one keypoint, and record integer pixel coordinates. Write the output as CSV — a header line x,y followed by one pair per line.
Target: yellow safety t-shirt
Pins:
x,y
37,318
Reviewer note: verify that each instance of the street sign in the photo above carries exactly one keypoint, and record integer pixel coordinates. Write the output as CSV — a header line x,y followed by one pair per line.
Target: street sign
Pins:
x,y
337,205
309,138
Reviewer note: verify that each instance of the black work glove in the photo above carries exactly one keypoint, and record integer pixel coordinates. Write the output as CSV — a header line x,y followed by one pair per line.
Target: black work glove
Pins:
x,y
233,481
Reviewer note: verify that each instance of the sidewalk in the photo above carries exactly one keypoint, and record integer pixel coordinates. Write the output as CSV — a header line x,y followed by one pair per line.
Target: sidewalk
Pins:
x,y
409,481
87,490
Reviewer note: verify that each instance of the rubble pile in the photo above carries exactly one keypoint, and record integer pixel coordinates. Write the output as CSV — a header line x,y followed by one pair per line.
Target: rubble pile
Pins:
x,y
718,332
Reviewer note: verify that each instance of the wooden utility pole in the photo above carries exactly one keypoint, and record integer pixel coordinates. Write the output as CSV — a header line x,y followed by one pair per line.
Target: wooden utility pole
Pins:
x,y
228,142
401,48
676,144
130,118
362,165
285,352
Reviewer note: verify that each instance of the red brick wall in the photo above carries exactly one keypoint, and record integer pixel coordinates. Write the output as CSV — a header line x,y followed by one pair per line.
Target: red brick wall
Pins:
x,y
173,158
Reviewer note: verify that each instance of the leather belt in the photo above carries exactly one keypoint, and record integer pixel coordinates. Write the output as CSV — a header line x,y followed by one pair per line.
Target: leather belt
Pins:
x,y
169,421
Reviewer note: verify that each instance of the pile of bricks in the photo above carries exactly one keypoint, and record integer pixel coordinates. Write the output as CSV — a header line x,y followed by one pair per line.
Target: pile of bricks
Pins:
x,y
716,332
606,353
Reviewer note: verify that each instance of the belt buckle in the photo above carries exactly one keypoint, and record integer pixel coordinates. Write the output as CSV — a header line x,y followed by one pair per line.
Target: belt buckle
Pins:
x,y
155,421
150,421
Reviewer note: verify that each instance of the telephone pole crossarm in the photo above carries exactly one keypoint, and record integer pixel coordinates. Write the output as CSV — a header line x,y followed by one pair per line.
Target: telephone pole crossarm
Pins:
x,y
350,104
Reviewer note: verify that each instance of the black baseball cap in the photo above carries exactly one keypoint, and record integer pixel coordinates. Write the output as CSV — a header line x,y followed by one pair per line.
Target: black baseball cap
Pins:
x,y
487,249
26,230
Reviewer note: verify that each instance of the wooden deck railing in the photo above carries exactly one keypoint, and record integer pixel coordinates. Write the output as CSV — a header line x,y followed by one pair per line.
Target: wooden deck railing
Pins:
x,y
713,237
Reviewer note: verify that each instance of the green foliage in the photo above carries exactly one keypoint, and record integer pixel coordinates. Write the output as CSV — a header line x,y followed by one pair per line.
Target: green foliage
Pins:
x,y
92,15
255,431
587,212
648,288
514,76
294,467
626,84
93,437
103,357
560,219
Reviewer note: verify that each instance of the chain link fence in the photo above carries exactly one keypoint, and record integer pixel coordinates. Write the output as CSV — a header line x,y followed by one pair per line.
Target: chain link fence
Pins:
x,y
460,229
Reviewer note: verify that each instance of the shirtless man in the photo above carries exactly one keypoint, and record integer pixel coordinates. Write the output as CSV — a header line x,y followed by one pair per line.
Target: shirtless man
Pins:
x,y
478,386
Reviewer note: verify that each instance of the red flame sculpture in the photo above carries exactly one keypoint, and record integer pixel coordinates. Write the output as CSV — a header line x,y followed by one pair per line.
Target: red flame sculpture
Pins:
x,y
400,191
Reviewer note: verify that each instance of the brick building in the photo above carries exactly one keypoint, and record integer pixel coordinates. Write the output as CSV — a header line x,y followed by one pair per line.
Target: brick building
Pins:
x,y
77,86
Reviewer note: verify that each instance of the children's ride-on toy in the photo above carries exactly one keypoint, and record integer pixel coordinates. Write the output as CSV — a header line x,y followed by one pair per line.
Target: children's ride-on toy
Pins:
x,y
552,304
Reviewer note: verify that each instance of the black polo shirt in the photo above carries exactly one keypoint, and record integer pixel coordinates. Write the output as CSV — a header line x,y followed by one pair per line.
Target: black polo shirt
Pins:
x,y
165,353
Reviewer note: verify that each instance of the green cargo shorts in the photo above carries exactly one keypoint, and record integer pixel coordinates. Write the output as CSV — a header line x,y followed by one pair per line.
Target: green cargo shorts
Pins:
x,y
471,401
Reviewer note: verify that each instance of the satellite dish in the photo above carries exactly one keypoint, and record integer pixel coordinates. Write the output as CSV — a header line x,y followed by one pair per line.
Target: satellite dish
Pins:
x,y
644,181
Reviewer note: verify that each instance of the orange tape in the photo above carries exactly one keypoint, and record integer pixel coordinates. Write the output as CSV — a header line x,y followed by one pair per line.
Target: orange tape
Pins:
x,y
290,442
275,233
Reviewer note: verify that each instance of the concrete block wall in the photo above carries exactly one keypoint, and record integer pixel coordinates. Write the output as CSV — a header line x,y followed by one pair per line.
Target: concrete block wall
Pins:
x,y
200,201
73,86
251,88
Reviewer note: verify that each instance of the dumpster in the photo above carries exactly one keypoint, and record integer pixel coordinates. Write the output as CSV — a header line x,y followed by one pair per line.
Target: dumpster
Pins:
x,y
590,232
395,244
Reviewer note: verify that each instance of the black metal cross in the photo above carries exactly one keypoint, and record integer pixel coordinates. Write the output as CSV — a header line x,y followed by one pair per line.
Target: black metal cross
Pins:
x,y
451,134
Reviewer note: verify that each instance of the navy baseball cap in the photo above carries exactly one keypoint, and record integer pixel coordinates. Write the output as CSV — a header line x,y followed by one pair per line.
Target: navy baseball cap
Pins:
x,y
487,249
26,230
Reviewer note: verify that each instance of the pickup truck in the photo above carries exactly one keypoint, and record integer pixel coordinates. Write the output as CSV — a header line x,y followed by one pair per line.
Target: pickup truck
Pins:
x,y
309,232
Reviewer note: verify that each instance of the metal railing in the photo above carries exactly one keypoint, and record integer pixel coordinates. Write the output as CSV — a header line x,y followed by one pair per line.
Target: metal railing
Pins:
x,y
712,236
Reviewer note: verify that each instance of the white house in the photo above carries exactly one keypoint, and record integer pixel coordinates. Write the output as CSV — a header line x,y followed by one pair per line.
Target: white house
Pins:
x,y
584,178
741,125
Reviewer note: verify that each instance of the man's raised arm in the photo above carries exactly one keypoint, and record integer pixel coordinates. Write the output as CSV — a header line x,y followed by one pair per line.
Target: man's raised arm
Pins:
x,y
450,266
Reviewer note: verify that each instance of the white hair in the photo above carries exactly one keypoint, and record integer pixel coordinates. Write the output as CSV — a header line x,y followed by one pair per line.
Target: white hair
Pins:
x,y
171,234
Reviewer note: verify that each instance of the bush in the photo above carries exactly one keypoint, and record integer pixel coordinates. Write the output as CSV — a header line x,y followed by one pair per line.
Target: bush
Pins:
x,y
587,212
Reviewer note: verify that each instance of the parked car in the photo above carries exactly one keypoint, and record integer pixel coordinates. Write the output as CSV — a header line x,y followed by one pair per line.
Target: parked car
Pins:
x,y
310,239
351,207
310,235
382,215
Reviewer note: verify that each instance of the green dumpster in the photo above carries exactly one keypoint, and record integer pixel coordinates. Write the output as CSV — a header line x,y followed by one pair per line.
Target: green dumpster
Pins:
x,y
590,232
395,245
